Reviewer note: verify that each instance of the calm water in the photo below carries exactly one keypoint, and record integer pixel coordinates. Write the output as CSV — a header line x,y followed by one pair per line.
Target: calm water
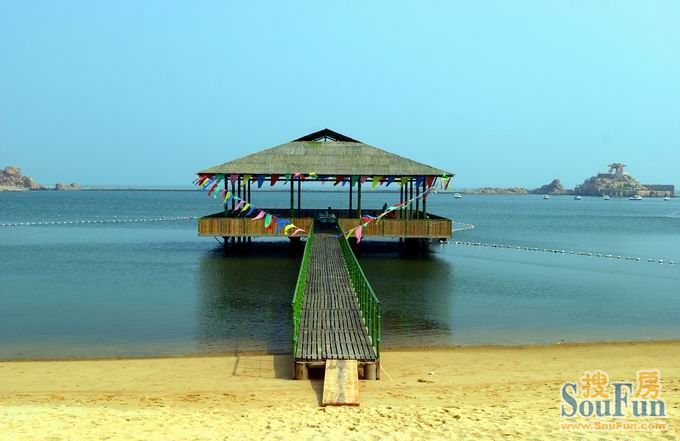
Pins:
x,y
156,288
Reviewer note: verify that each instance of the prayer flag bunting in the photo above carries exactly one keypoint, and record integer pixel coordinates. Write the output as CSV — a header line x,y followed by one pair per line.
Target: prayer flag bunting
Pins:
x,y
260,215
249,212
280,223
260,180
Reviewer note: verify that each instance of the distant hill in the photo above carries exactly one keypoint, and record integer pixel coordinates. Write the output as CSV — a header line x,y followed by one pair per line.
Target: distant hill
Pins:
x,y
496,190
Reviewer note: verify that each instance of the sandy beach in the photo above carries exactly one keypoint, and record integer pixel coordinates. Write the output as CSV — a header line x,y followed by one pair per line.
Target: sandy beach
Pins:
x,y
456,393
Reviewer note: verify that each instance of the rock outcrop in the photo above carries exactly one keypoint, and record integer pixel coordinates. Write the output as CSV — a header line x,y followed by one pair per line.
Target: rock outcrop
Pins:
x,y
12,179
554,188
61,186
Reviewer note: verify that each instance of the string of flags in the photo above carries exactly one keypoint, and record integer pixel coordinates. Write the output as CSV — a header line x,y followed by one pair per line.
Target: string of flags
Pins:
x,y
210,182
245,208
367,219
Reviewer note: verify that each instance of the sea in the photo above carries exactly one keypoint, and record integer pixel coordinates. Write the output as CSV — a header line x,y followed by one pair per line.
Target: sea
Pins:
x,y
124,274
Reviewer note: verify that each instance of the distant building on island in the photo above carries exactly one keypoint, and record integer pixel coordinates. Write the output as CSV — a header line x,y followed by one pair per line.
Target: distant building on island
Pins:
x,y
617,182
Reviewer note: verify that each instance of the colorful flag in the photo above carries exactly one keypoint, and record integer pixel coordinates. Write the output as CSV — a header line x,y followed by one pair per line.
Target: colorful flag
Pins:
x,y
260,215
376,181
260,180
274,178
280,223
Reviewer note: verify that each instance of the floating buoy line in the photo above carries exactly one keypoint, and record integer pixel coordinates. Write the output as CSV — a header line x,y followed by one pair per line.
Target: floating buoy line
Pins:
x,y
463,227
565,252
98,221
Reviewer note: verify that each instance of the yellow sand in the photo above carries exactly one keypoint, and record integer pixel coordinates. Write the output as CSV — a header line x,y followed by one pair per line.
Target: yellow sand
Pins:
x,y
467,393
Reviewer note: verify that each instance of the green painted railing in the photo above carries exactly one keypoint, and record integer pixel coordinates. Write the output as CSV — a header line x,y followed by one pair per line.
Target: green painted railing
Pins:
x,y
368,302
299,294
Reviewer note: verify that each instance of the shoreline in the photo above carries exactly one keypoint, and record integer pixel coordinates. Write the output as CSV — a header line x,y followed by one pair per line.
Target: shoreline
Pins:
x,y
407,349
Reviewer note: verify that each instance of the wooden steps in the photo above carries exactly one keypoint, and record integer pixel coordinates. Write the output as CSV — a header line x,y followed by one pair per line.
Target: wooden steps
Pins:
x,y
341,383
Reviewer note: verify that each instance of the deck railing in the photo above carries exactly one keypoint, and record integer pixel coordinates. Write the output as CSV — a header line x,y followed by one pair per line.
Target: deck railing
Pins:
x,y
299,294
368,302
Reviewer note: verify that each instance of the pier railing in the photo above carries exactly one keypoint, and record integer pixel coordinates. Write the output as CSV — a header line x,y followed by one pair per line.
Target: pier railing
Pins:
x,y
299,294
368,302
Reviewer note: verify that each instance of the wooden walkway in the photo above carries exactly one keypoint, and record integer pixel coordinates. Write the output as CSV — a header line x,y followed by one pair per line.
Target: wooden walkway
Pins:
x,y
331,325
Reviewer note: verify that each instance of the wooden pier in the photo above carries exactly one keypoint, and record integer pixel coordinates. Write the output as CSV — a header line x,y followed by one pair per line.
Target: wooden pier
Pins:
x,y
336,316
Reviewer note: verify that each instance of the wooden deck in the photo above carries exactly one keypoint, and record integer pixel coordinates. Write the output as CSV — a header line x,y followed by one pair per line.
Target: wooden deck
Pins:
x,y
331,324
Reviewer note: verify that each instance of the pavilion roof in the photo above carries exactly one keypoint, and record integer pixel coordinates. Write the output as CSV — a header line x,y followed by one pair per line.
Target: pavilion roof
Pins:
x,y
325,153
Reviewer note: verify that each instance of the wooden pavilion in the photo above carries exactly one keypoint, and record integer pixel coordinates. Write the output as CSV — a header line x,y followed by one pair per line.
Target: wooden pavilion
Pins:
x,y
329,156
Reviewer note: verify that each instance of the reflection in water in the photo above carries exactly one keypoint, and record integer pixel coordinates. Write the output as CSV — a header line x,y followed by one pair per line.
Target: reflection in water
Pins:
x,y
244,298
415,293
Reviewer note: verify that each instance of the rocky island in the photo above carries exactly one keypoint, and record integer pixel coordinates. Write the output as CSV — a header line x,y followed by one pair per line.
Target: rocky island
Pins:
x,y
619,183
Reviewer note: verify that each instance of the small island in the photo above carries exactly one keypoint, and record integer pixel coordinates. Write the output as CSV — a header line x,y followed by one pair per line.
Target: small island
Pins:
x,y
12,179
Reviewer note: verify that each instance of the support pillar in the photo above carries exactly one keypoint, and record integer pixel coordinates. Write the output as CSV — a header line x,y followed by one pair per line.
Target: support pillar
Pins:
x,y
299,197
350,196
301,371
359,196
370,371
292,197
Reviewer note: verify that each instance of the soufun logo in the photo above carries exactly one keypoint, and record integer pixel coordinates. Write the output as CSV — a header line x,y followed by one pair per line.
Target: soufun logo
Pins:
x,y
594,396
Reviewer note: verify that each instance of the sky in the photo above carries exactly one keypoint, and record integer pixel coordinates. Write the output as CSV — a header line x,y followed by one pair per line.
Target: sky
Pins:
x,y
501,93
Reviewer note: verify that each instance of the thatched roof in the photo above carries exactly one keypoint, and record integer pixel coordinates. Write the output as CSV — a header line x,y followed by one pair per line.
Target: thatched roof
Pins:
x,y
336,155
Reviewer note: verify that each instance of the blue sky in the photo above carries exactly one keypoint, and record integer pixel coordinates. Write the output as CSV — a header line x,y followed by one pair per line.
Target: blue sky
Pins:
x,y
502,93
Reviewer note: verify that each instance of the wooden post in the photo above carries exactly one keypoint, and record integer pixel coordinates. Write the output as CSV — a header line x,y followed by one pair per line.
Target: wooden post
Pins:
x,y
417,202
301,371
425,199
370,371
401,201
238,239
292,198
350,196
359,196
233,192
248,239
299,197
